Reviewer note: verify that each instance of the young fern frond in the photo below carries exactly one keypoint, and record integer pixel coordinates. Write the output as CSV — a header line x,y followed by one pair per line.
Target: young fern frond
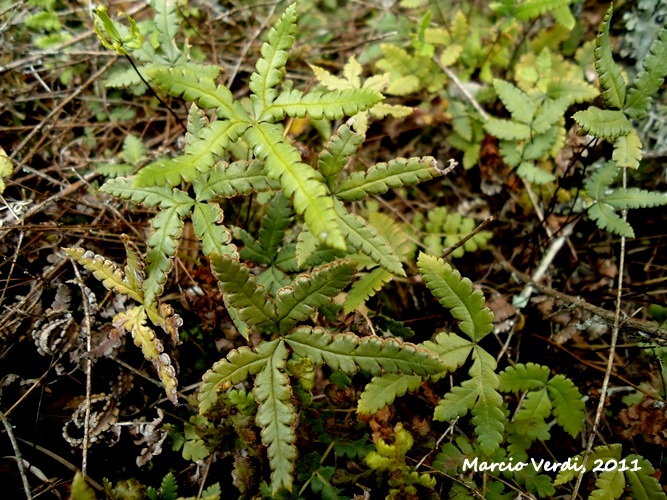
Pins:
x,y
206,219
365,287
336,154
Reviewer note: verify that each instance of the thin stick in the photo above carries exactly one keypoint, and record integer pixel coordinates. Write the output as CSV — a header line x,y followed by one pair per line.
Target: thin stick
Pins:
x,y
472,233
17,453
89,369
612,351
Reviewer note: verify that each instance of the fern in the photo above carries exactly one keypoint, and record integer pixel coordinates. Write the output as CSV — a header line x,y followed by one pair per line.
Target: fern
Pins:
x,y
134,320
383,390
611,80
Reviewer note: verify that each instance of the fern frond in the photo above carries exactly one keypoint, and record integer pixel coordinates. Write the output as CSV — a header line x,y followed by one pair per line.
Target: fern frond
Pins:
x,y
299,180
608,220
601,180
237,366
452,349
611,79
244,293
227,180
206,219
576,91
515,100
278,218
457,294
605,123
479,394
166,22
276,416
507,129
535,8
134,269
199,88
364,238
349,353
568,404
628,150
162,244
274,56
332,105
383,390
149,196
643,483
549,114
381,177
528,171
622,199
299,301
337,152
199,156
366,287
649,81
523,377
104,270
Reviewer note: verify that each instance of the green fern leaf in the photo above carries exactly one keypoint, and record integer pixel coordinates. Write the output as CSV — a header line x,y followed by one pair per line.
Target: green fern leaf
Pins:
x,y
576,91
563,16
534,8
601,181
622,199
608,220
383,176
568,404
342,145
134,269
364,238
299,301
457,294
199,156
383,390
278,218
506,129
528,171
523,377
105,271
550,114
162,244
244,293
540,145
366,287
149,196
516,101
234,369
649,81
643,483
611,80
276,417
227,180
628,150
349,353
609,485
166,22
605,123
452,349
199,88
274,57
197,120
332,105
206,219
299,180
479,394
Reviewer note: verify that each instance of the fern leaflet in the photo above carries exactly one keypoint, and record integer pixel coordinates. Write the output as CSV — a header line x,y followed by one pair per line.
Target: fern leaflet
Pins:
x,y
383,390
611,80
